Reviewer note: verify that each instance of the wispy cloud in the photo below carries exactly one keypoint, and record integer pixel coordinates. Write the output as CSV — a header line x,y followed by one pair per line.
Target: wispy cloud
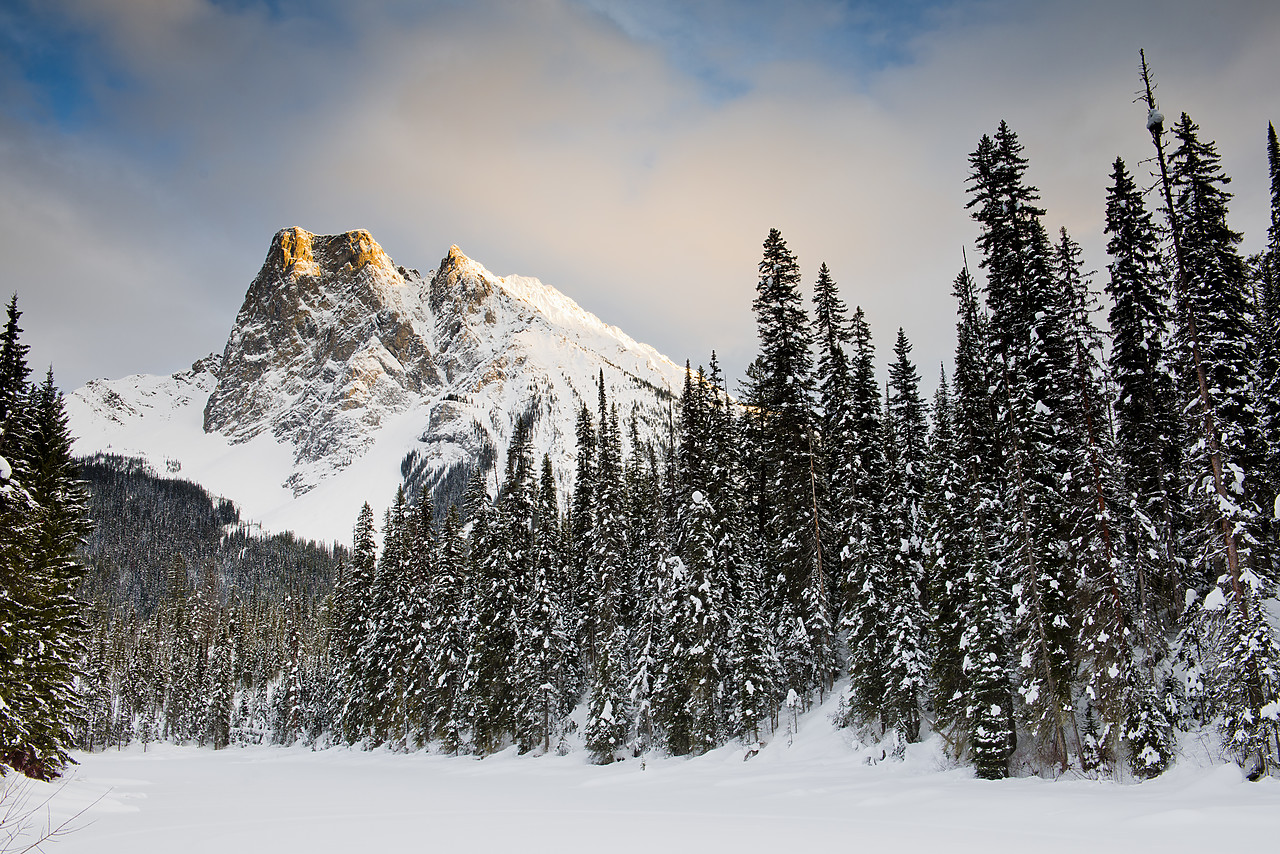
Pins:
x,y
633,155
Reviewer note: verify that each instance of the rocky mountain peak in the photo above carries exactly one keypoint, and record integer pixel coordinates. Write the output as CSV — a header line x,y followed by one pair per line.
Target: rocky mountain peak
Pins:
x,y
297,253
329,325
343,368
460,283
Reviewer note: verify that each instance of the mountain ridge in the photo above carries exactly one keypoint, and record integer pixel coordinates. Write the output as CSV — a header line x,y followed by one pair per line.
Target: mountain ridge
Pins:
x,y
340,362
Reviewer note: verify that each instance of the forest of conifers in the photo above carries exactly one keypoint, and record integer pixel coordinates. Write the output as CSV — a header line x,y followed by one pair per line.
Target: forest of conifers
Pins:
x,y
1063,561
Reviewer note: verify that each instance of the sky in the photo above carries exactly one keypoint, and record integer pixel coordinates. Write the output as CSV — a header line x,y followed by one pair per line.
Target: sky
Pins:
x,y
632,154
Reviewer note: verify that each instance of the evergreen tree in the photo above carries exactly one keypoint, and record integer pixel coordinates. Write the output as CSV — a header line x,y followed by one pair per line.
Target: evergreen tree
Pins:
x,y
220,690
979,711
423,567
1032,353
832,377
1146,419
14,379
43,520
388,643
608,677
781,395
1267,321
448,624
357,616
906,654
542,678
487,689
945,577
1227,489
868,596
1218,359
1108,608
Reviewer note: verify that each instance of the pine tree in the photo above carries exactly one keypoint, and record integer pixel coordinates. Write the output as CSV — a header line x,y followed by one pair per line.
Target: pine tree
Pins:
x,y
1110,615
1218,381
781,394
1031,348
836,428
905,639
423,566
388,643
868,597
220,690
43,520
1219,361
1146,419
580,536
448,624
979,711
356,600
1267,331
487,688
753,674
945,577
542,671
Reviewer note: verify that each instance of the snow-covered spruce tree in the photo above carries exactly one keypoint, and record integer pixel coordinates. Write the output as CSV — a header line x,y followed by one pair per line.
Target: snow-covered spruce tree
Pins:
x,y
687,670
543,679
1032,373
978,711
867,597
577,595
387,645
836,428
423,562
448,626
40,570
650,630
1114,649
752,671
1267,337
1146,413
780,394
1215,342
608,722
906,677
355,610
988,717
220,689
647,489
1225,465
943,527
495,600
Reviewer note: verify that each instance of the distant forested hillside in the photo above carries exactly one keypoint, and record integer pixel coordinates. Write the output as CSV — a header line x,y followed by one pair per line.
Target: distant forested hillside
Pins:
x,y
148,528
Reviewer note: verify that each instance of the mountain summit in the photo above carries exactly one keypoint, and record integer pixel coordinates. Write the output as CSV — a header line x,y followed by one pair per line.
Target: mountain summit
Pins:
x,y
345,374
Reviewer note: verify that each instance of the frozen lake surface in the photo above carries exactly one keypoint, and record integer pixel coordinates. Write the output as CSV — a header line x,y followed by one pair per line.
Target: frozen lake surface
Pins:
x,y
818,794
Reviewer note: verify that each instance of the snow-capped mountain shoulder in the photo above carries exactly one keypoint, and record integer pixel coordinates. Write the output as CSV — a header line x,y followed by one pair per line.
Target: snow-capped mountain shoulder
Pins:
x,y
125,414
345,374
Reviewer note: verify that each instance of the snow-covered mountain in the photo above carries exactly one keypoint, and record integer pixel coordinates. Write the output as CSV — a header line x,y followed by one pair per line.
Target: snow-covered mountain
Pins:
x,y
345,374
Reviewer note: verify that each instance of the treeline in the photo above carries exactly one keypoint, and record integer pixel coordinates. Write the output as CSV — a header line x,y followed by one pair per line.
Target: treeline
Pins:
x,y
1062,561
145,525
187,609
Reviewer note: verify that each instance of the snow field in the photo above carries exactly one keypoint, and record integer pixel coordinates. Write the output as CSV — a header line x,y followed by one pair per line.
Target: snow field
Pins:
x,y
817,794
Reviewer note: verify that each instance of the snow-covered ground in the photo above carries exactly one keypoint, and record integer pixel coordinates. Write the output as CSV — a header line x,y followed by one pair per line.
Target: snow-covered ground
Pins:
x,y
817,794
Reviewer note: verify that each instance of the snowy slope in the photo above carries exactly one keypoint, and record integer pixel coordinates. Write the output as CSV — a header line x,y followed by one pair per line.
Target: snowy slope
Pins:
x,y
344,372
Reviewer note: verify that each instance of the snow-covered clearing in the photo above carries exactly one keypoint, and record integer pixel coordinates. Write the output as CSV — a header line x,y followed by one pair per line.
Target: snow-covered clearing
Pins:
x,y
816,794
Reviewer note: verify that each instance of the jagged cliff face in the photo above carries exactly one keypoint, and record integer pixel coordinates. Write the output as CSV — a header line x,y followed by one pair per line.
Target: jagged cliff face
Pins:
x,y
337,352
332,339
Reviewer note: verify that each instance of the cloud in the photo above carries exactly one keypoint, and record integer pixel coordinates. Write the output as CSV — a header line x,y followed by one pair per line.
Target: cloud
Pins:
x,y
633,156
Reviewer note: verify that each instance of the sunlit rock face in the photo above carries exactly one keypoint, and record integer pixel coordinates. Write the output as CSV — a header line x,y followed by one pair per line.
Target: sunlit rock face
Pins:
x,y
334,342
